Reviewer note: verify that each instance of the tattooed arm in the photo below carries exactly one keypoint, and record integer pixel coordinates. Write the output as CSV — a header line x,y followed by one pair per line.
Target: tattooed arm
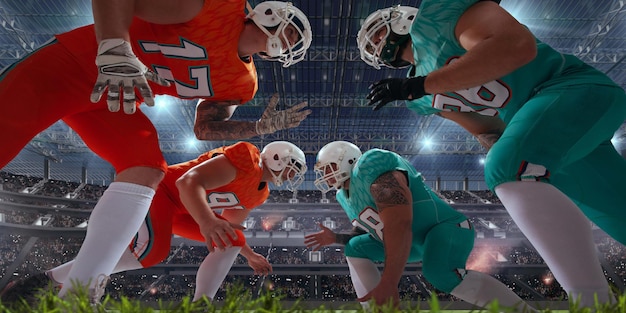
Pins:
x,y
487,129
212,122
394,202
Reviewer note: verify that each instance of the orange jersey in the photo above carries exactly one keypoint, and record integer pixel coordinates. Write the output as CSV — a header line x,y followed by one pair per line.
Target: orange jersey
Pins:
x,y
200,56
243,192
54,82
168,215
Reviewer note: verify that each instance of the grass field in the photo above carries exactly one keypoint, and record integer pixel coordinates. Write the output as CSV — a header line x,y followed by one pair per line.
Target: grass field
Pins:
x,y
237,300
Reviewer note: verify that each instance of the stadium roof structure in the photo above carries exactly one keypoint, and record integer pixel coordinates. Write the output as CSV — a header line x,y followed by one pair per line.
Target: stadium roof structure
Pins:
x,y
332,79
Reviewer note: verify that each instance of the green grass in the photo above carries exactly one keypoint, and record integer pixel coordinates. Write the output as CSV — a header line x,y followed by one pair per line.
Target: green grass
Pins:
x,y
237,300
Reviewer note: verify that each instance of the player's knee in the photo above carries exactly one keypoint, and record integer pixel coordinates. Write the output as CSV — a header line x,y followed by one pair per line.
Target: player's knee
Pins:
x,y
240,241
365,247
523,171
153,257
142,175
507,161
353,250
443,279
350,251
497,169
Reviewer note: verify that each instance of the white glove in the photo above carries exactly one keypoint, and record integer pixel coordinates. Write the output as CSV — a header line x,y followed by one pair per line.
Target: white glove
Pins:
x,y
272,120
118,67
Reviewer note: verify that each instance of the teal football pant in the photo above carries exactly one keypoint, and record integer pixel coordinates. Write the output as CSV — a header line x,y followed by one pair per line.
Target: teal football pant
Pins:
x,y
562,136
445,251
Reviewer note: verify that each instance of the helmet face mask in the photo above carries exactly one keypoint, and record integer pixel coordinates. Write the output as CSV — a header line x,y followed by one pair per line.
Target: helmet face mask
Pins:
x,y
378,49
276,19
334,164
286,162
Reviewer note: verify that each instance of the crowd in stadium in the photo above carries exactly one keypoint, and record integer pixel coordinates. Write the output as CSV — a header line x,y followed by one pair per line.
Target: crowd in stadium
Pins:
x,y
51,251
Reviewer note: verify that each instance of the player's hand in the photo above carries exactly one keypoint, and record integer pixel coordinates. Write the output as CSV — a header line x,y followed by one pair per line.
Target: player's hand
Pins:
x,y
119,68
219,232
391,89
273,120
320,239
259,264
382,295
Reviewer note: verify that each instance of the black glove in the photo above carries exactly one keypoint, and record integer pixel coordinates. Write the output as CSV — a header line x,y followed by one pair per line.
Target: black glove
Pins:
x,y
390,89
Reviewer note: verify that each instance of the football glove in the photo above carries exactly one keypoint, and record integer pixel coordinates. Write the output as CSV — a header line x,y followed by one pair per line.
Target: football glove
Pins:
x,y
387,90
119,68
273,120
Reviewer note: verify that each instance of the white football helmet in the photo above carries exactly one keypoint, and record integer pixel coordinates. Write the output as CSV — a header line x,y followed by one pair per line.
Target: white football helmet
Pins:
x,y
270,15
286,159
335,161
383,51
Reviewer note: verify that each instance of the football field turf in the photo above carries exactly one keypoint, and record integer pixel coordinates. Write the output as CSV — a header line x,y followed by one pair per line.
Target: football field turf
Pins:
x,y
355,311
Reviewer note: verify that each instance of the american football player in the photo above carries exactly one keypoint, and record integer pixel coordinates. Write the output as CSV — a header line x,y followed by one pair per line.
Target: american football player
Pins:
x,y
193,50
233,179
400,220
547,118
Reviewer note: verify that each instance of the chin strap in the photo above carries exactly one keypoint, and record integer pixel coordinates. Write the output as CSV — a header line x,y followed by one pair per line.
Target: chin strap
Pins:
x,y
273,44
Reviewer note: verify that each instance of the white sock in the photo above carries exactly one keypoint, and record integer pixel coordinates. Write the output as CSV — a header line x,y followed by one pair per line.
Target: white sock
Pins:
x,y
59,273
212,272
365,276
126,263
112,224
481,289
562,235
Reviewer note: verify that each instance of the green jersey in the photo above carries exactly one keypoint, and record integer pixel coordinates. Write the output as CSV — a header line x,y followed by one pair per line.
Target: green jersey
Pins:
x,y
359,205
435,45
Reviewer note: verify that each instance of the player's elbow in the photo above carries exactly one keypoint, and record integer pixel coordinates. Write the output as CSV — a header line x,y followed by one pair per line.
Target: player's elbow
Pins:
x,y
523,49
187,180
198,132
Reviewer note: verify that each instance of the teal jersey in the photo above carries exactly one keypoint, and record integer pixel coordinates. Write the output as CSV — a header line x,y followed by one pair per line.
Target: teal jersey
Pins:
x,y
435,45
359,205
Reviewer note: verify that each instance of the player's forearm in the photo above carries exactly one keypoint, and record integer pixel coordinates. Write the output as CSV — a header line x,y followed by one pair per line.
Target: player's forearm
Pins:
x,y
225,130
496,45
193,198
397,238
246,251
213,122
112,18
396,256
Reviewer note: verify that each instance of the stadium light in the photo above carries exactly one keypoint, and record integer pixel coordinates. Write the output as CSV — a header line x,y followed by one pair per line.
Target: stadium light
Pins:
x,y
615,140
192,142
427,143
161,102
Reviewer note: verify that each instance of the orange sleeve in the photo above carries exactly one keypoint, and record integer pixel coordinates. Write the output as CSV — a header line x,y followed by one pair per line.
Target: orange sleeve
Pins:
x,y
243,155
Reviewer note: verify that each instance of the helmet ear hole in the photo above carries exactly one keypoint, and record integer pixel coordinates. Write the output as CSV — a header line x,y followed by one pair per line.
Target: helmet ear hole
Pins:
x,y
282,157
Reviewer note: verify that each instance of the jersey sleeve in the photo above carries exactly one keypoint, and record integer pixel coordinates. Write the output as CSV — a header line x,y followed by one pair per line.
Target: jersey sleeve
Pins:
x,y
442,16
243,155
374,163
432,36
